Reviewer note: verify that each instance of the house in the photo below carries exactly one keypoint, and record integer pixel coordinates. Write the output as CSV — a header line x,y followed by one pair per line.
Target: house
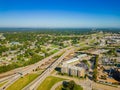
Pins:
x,y
14,43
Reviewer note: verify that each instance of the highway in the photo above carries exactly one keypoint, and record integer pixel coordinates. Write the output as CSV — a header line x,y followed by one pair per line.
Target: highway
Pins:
x,y
28,69
34,85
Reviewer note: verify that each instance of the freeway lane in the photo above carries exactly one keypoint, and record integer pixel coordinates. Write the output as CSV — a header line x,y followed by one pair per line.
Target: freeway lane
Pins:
x,y
29,69
34,85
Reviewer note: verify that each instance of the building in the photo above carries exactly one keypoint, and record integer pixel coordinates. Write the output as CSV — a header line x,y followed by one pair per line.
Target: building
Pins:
x,y
79,57
73,70
14,43
71,60
64,69
81,72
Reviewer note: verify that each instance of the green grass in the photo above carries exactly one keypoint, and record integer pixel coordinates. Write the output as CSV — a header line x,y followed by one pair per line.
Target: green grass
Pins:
x,y
22,82
54,46
78,87
1,84
49,82
59,87
92,41
54,51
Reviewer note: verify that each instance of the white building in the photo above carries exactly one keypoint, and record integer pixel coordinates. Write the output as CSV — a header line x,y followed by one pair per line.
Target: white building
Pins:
x,y
75,59
73,70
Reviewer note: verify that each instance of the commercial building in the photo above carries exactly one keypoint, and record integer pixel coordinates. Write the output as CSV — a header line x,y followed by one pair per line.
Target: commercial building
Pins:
x,y
79,57
73,70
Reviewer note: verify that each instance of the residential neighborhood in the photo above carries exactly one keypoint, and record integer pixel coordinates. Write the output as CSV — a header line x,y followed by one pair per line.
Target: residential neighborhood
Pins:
x,y
90,60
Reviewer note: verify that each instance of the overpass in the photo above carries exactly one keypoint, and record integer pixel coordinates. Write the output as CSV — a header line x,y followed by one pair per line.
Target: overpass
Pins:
x,y
29,69
34,85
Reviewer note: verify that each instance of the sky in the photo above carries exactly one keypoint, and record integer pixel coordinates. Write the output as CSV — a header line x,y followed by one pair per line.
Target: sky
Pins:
x,y
60,13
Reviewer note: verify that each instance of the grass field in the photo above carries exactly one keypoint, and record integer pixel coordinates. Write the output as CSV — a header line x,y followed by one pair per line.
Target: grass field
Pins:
x,y
59,87
1,84
49,82
78,87
22,82
54,51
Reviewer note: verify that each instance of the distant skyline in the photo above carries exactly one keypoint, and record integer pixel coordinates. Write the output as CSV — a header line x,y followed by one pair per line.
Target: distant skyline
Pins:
x,y
60,13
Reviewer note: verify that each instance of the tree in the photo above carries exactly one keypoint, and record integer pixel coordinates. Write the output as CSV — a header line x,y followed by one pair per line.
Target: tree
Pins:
x,y
71,85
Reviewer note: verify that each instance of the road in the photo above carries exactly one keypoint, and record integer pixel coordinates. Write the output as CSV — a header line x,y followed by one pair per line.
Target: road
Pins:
x,y
87,84
56,85
28,69
98,86
34,85
82,82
